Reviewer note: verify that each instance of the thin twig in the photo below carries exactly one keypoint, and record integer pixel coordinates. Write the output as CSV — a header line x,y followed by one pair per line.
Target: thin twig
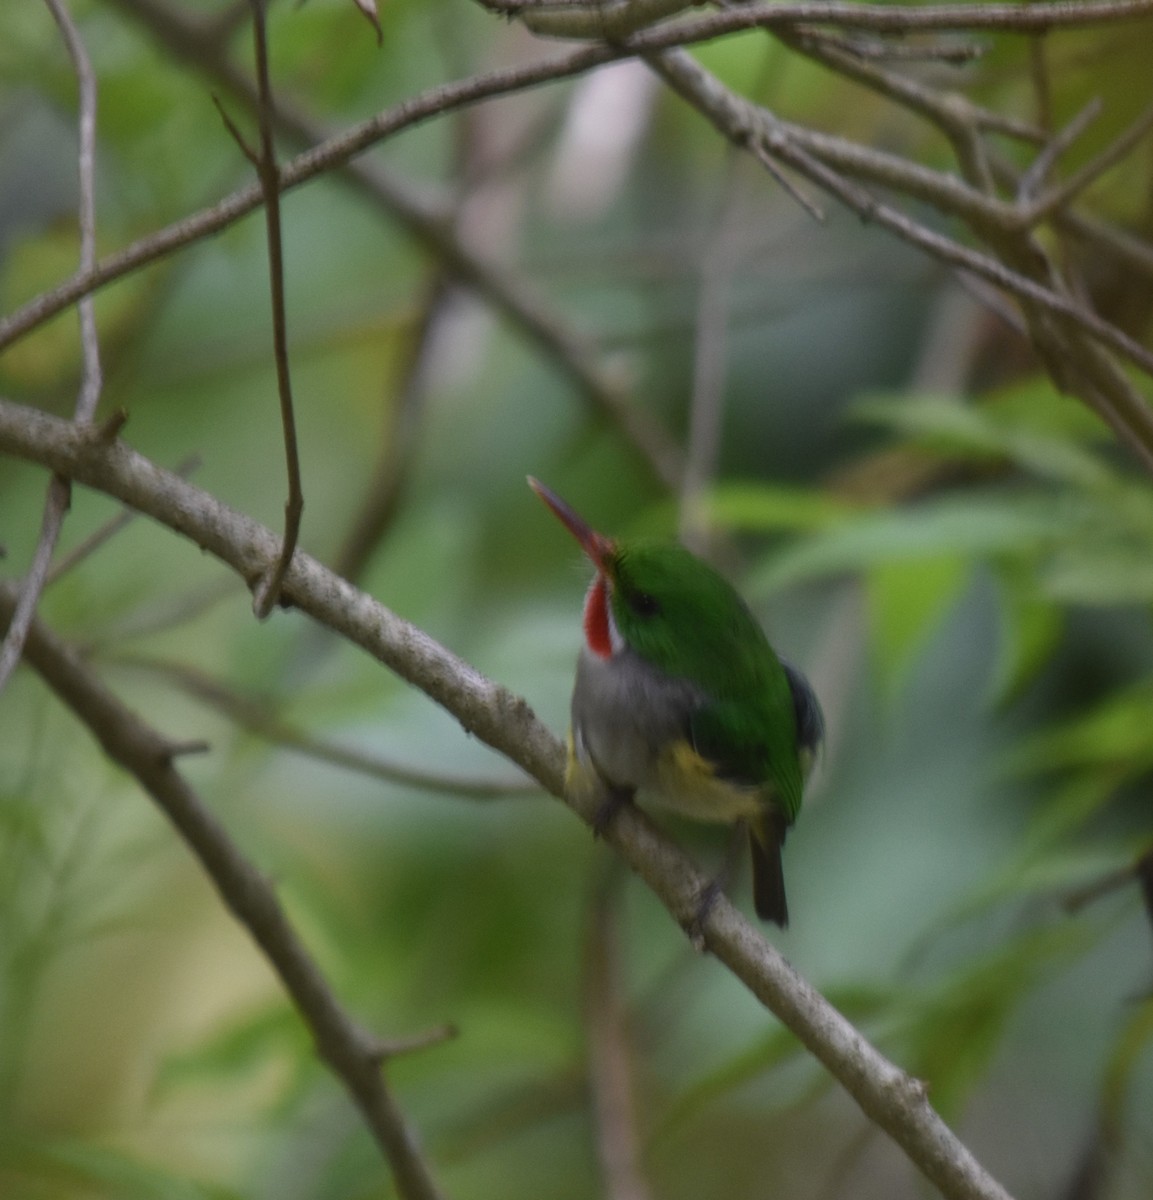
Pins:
x,y
710,353
953,54
259,719
430,224
894,1101
1042,166
890,18
1060,195
56,502
615,1104
108,530
823,158
59,493
267,591
943,111
1058,323
351,1052
525,310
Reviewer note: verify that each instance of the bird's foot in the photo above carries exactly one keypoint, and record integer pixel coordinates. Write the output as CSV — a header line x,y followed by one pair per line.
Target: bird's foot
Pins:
x,y
615,799
695,928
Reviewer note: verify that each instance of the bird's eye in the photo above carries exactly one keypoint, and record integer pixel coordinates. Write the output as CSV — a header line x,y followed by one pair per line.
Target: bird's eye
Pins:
x,y
644,605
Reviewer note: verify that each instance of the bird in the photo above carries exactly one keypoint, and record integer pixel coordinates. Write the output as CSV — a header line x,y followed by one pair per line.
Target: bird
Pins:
x,y
680,701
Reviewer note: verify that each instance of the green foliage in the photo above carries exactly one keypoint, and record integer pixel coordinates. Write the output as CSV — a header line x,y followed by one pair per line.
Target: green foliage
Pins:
x,y
983,776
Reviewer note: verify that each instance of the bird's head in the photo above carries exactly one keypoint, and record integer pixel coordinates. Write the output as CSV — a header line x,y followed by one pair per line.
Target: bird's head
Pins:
x,y
652,597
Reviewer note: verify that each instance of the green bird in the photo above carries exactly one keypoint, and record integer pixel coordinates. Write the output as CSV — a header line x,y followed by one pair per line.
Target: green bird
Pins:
x,y
680,700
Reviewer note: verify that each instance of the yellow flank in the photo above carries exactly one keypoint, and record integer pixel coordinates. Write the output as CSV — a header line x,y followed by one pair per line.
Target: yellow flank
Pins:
x,y
688,784
580,778
683,781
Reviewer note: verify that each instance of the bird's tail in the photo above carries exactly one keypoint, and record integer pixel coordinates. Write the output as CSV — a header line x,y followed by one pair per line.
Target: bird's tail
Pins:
x,y
766,837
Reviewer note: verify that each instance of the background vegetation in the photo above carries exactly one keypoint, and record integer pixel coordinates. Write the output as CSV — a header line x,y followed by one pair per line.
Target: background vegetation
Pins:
x,y
931,490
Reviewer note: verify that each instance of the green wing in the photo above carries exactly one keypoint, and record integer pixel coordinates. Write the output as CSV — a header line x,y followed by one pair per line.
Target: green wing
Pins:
x,y
753,746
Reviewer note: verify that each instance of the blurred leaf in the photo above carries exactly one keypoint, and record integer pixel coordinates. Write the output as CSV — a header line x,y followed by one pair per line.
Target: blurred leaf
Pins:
x,y
1115,571
907,602
274,1032
954,1028
859,1003
1132,1042
959,429
71,1167
765,508
970,525
1113,734
1031,626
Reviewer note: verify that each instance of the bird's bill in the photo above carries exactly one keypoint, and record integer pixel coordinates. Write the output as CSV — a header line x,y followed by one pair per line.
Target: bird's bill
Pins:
x,y
598,547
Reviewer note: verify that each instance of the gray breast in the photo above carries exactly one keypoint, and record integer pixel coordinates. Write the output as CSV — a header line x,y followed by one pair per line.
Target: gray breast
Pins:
x,y
624,712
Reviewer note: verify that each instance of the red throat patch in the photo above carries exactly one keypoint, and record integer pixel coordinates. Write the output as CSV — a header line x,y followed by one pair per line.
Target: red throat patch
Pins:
x,y
597,618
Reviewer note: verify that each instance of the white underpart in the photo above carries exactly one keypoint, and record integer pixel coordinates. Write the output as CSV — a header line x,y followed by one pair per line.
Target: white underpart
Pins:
x,y
615,640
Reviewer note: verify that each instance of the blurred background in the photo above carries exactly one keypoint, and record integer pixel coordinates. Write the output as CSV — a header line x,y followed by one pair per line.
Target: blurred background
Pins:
x,y
957,556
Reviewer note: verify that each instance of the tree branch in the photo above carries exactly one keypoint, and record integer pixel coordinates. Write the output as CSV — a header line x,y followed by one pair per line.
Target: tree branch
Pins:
x,y
526,310
894,1101
892,19
352,1053
1058,324
259,719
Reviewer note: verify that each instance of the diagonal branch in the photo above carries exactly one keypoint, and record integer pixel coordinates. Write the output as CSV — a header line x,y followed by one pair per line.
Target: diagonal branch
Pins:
x,y
895,19
895,1102
352,1053
509,296
262,721
430,224
1055,319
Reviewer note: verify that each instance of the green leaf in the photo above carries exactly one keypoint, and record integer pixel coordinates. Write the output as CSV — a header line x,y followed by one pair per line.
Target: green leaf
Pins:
x,y
975,1004
763,508
1115,734
974,525
779,1046
989,432
1031,625
1101,573
907,602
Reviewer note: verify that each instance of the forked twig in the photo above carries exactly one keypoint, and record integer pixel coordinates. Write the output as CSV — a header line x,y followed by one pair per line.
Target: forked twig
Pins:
x,y
353,1054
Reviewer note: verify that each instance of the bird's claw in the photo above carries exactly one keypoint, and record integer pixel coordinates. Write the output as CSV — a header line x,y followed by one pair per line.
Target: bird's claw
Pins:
x,y
615,799
696,925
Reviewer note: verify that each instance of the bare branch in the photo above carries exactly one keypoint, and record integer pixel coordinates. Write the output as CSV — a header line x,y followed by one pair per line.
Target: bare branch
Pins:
x,y
522,307
56,503
893,19
710,357
1042,166
822,158
352,1053
894,1101
259,719
1060,195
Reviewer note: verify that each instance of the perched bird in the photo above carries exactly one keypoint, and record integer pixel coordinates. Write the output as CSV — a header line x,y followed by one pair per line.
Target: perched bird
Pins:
x,y
680,699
